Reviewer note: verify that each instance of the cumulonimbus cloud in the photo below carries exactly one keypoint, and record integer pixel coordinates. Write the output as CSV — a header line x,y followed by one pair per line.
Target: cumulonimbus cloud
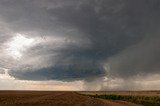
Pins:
x,y
78,38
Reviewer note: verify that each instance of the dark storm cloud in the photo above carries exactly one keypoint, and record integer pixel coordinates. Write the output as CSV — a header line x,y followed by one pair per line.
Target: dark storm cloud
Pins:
x,y
141,59
2,71
64,73
92,33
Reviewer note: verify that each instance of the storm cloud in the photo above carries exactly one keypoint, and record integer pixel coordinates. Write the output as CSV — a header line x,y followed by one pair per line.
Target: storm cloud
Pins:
x,y
82,39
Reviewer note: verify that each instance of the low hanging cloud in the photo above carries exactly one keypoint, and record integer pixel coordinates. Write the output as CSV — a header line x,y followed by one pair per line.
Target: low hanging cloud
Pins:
x,y
76,40
2,71
141,59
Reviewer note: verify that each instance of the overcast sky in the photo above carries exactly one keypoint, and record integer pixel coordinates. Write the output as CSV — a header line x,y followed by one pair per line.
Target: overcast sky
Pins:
x,y
77,44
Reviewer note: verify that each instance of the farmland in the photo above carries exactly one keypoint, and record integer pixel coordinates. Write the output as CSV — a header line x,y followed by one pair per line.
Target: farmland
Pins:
x,y
146,98
54,98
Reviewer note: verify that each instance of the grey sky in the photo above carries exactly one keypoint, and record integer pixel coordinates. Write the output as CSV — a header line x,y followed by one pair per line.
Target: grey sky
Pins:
x,y
68,40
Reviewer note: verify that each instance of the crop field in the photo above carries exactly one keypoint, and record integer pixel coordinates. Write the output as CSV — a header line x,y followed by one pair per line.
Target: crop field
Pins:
x,y
55,98
145,98
81,98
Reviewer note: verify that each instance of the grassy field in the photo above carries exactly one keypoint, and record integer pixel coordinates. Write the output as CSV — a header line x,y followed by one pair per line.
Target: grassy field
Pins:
x,y
63,98
54,98
145,98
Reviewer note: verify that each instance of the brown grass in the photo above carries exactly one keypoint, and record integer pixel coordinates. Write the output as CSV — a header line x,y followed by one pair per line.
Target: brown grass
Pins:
x,y
146,98
49,98
133,93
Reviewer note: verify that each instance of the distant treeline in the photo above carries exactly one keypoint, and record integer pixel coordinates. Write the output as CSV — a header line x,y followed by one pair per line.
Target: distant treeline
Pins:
x,y
144,100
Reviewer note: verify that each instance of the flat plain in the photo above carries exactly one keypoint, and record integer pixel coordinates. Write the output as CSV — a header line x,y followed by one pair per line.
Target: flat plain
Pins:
x,y
59,98
133,93
145,98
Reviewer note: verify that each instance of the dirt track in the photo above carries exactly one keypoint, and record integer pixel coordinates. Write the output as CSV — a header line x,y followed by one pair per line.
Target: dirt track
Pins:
x,y
31,98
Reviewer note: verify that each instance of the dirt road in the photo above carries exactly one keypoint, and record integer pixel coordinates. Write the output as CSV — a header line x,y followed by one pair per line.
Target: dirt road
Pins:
x,y
41,98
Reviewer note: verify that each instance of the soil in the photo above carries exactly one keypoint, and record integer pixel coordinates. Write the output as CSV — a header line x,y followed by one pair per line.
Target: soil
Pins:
x,y
54,98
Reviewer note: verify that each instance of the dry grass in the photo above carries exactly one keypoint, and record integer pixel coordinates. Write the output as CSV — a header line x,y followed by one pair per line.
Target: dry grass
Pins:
x,y
146,98
46,98
133,93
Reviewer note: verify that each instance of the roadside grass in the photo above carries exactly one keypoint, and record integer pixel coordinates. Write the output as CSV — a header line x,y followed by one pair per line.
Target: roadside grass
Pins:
x,y
143,100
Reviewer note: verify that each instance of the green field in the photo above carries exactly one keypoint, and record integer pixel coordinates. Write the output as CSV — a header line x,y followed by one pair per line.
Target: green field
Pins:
x,y
148,98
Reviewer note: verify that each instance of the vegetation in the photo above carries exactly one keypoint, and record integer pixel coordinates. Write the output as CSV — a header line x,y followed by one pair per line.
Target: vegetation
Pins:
x,y
144,100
